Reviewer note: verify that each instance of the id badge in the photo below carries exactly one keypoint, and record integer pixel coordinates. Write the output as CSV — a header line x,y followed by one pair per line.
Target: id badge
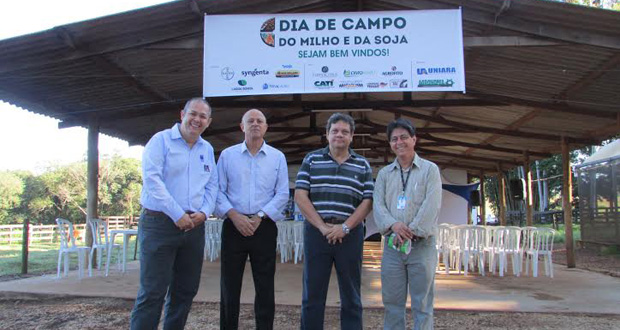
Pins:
x,y
402,201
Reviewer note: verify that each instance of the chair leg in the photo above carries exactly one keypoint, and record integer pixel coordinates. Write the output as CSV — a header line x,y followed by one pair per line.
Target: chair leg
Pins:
x,y
66,264
90,262
59,263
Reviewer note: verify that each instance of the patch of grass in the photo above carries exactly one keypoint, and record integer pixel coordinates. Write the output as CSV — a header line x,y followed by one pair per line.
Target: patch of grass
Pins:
x,y
560,234
43,257
610,251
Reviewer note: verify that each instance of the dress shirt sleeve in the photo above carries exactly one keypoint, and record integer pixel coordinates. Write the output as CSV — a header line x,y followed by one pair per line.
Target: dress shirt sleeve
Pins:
x,y
424,222
277,204
383,218
303,176
211,190
223,205
153,160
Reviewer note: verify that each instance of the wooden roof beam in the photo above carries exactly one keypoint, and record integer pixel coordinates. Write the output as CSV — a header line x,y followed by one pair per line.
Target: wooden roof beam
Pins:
x,y
468,157
514,125
587,80
485,129
558,107
353,103
484,147
520,24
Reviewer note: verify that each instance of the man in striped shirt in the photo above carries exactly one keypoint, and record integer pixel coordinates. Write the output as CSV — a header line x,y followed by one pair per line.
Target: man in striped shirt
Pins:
x,y
334,193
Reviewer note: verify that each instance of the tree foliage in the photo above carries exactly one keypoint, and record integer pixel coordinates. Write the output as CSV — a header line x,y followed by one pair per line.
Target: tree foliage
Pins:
x,y
61,192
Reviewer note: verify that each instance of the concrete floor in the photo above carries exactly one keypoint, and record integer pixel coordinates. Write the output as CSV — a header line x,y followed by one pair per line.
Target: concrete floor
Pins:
x,y
571,290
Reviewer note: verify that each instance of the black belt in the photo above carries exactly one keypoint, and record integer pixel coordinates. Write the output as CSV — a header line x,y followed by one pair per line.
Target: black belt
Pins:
x,y
159,213
251,215
334,220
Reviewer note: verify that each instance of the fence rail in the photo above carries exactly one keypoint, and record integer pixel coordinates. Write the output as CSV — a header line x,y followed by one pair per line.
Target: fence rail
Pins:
x,y
12,234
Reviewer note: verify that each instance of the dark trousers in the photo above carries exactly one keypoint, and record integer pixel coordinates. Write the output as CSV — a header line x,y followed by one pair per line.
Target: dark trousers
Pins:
x,y
319,256
261,248
170,267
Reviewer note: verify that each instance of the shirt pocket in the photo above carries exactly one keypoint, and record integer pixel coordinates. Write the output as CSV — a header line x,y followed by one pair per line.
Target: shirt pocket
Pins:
x,y
267,178
419,191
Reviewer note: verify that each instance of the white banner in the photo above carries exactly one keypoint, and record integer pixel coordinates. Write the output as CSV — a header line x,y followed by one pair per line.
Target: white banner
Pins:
x,y
420,50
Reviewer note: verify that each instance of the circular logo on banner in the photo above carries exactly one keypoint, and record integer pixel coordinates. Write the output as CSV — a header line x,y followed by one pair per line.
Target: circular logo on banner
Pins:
x,y
227,73
266,32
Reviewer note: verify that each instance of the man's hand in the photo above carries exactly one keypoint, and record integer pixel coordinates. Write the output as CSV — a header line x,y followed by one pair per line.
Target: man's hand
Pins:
x,y
325,228
335,235
255,221
402,232
243,224
197,218
185,223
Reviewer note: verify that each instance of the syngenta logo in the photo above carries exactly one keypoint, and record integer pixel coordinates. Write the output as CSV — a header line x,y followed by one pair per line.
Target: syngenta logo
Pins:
x,y
266,32
254,73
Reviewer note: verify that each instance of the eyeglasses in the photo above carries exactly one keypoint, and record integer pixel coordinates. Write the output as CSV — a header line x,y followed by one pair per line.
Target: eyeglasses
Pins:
x,y
403,137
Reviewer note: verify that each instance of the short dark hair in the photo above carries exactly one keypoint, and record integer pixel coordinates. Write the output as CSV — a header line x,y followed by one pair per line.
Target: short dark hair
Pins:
x,y
338,116
400,123
193,100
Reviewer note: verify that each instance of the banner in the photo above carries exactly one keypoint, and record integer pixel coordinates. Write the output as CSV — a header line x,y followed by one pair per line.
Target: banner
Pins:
x,y
392,51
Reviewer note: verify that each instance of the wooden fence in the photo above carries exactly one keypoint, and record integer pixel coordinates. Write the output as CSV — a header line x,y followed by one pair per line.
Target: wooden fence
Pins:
x,y
12,234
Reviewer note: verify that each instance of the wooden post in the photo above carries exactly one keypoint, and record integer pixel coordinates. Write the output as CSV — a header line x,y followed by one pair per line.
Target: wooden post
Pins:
x,y
25,239
529,199
483,211
567,197
501,179
92,180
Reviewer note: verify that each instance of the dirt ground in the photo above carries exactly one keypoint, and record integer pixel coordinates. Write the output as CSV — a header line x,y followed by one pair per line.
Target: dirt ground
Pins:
x,y
18,311
26,311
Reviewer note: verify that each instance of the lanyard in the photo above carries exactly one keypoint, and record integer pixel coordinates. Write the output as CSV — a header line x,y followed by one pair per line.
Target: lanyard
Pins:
x,y
402,177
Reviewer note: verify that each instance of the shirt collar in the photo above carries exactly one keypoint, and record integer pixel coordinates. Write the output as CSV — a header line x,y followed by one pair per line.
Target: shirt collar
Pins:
x,y
263,148
395,165
352,154
175,133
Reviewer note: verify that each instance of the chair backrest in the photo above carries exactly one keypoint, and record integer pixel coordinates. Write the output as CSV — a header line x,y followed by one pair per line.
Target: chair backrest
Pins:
x,y
512,238
479,238
65,231
526,237
543,239
98,228
444,236
298,231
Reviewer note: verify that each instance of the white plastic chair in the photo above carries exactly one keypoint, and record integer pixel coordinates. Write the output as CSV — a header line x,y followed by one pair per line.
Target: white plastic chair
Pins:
x,y
541,245
298,240
444,235
526,240
506,242
213,239
101,242
67,246
284,245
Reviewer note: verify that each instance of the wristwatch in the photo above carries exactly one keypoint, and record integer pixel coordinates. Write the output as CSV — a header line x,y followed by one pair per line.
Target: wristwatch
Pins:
x,y
261,214
345,229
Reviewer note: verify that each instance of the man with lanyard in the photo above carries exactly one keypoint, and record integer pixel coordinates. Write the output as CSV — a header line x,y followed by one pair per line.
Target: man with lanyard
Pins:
x,y
334,193
406,203
179,191
253,193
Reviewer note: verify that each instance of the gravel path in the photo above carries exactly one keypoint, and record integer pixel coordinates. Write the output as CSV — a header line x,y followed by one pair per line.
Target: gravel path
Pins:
x,y
18,311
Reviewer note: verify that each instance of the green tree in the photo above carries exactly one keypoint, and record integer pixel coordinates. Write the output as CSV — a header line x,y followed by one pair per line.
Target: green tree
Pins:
x,y
11,189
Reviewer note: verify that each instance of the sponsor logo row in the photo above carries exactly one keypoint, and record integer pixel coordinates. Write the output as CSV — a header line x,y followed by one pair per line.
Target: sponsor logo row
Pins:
x,y
326,79
287,71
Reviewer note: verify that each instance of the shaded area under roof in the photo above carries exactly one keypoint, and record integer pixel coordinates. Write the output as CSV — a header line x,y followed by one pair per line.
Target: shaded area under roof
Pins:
x,y
536,72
